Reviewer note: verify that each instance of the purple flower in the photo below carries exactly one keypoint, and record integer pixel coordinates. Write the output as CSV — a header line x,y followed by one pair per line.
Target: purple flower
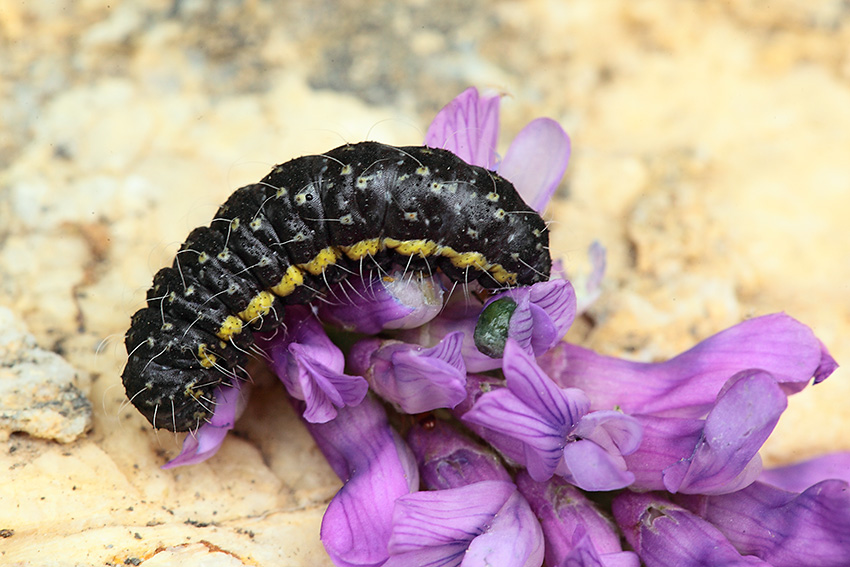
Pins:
x,y
377,468
311,366
664,534
799,476
543,314
716,455
413,378
547,429
783,528
687,385
394,301
448,459
535,161
474,516
468,126
576,533
200,445
481,524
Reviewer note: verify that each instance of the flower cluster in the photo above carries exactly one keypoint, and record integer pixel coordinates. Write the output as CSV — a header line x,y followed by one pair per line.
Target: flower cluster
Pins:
x,y
541,452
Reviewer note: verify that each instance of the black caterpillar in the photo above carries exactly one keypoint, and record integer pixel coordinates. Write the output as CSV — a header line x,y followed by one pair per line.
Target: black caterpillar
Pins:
x,y
308,224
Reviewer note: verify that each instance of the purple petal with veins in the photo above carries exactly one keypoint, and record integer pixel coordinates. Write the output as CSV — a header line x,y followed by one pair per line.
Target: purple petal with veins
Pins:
x,y
468,126
413,378
726,457
543,315
664,534
311,366
716,455
486,523
786,529
377,468
531,413
536,161
687,385
576,533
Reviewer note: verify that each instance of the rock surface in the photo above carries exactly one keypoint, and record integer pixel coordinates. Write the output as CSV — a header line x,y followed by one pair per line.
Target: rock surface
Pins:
x,y
710,159
38,391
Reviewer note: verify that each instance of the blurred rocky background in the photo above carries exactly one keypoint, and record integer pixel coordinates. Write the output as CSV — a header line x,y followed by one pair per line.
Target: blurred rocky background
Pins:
x,y
711,149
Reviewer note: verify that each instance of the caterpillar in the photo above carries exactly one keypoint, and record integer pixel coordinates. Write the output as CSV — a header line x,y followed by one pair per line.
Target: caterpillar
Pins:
x,y
308,224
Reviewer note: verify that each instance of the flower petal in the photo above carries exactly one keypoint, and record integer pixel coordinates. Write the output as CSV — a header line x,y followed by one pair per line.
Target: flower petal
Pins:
x,y
311,366
413,378
518,431
800,476
514,537
440,517
394,301
664,534
573,528
561,407
785,528
468,127
377,468
536,161
543,314
486,523
449,459
726,457
592,468
200,445
688,384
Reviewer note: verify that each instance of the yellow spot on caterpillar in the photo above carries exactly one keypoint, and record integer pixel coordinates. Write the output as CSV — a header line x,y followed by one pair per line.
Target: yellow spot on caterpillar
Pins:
x,y
423,171
503,276
492,196
190,392
326,257
256,224
203,257
422,248
362,182
234,224
207,359
231,326
347,169
300,198
411,216
281,191
448,252
500,214
290,280
362,249
346,220
470,259
259,306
